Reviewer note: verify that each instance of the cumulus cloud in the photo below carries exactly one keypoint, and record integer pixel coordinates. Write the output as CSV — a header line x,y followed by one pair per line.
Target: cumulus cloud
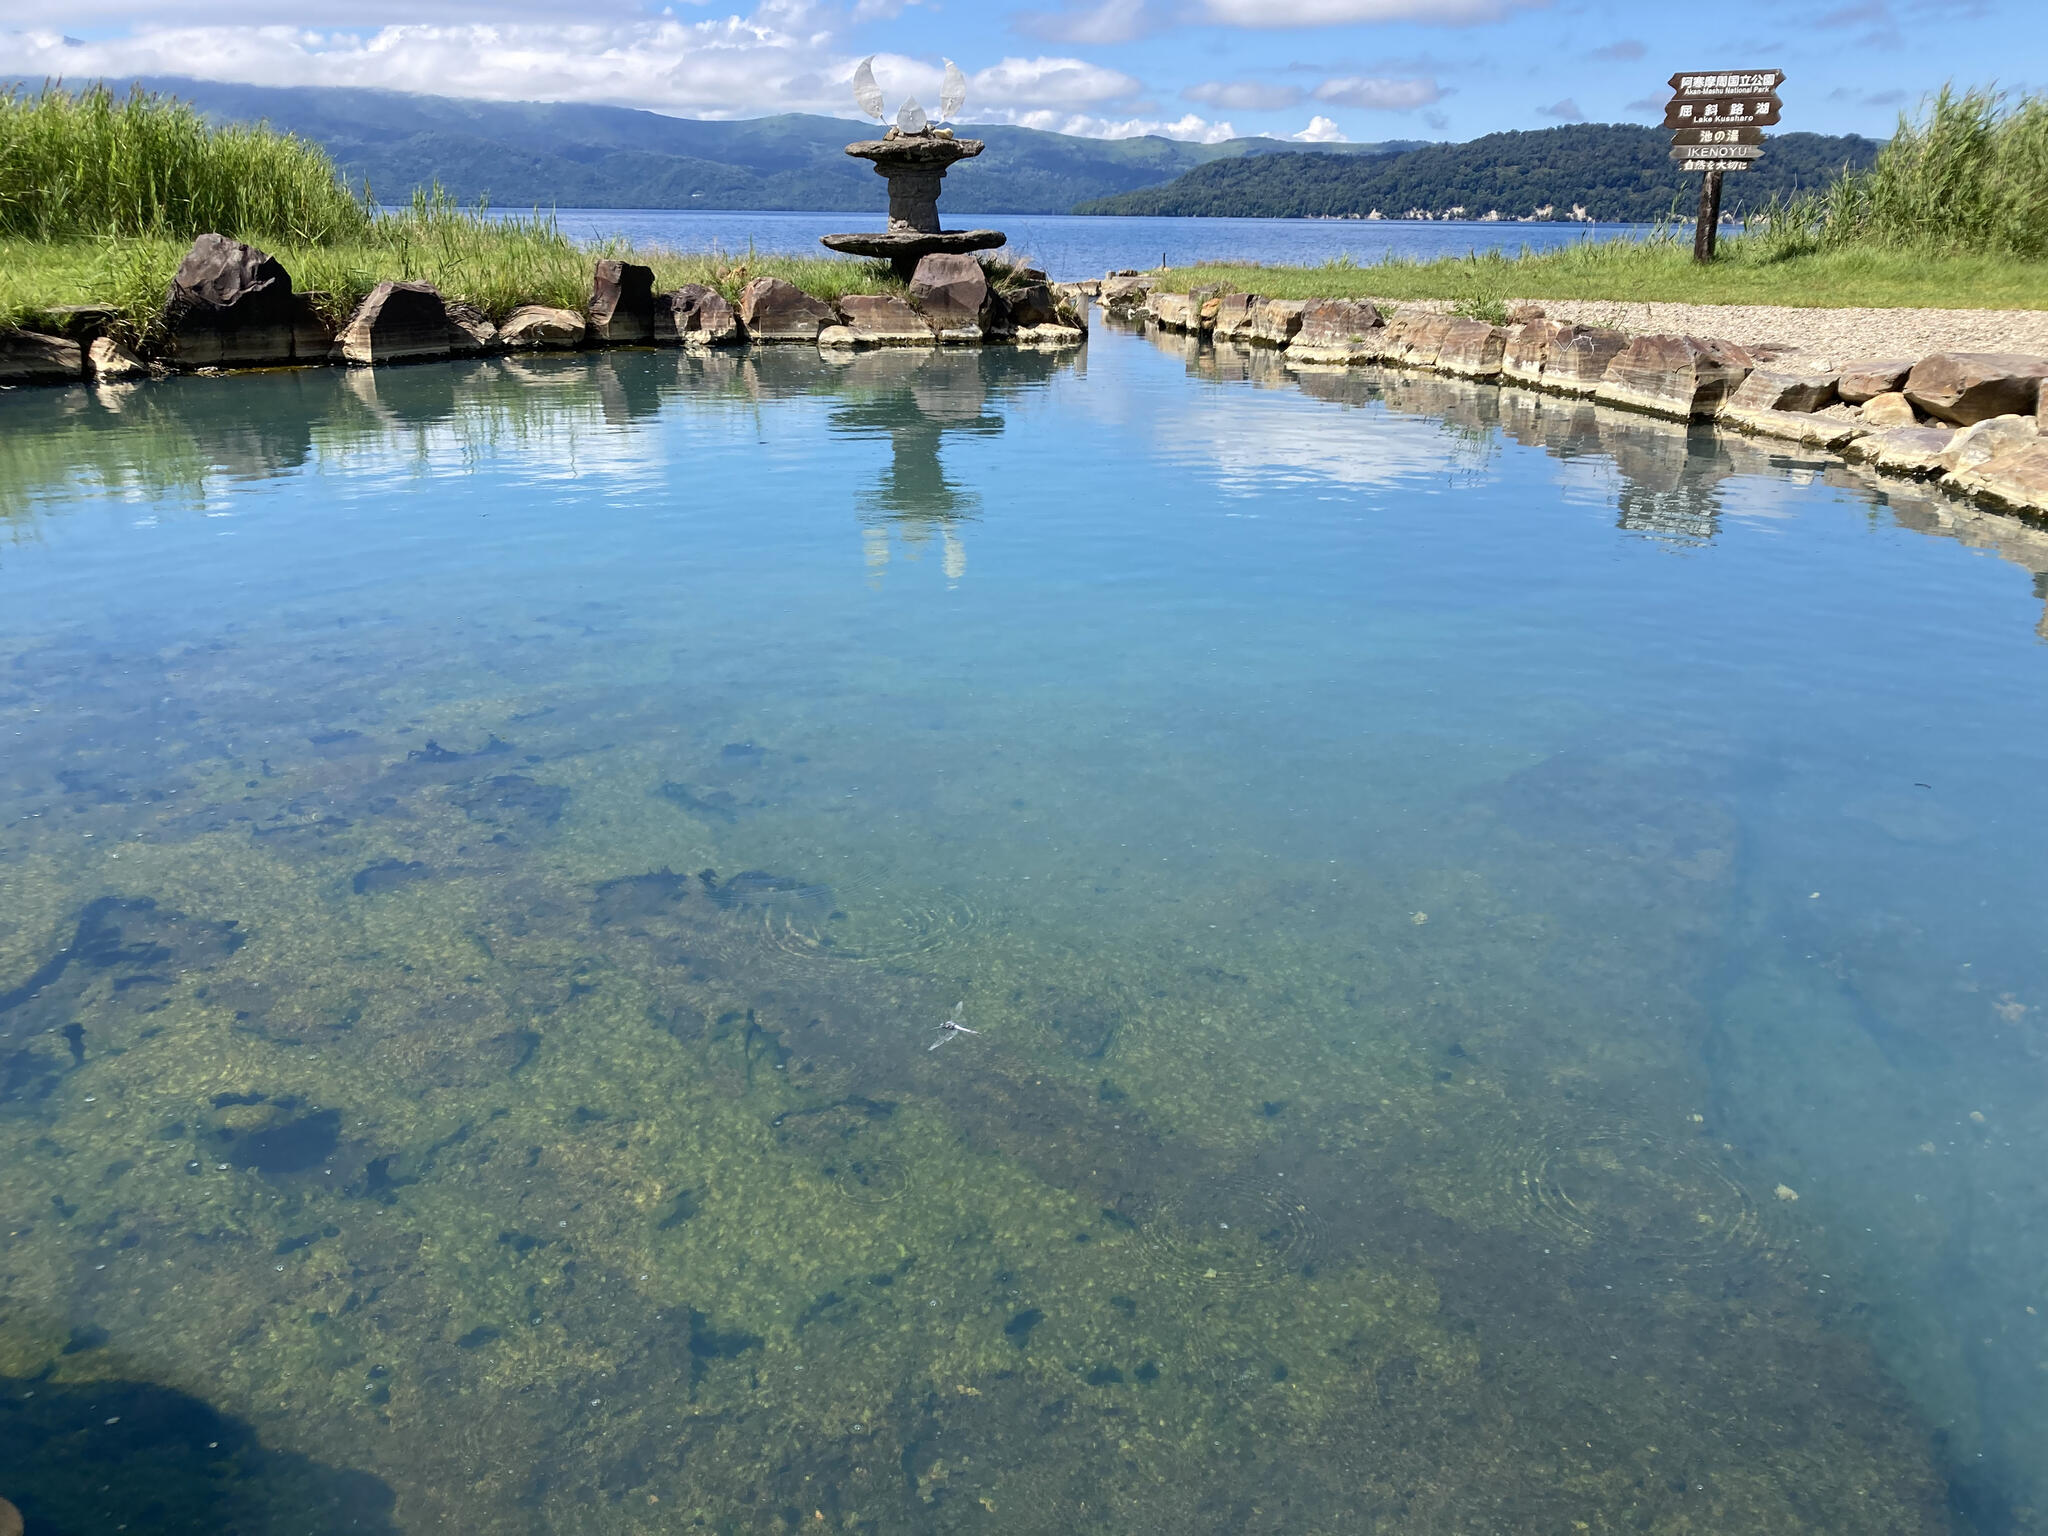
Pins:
x,y
1618,53
1339,13
1194,129
1321,130
1380,93
731,67
1244,95
1566,111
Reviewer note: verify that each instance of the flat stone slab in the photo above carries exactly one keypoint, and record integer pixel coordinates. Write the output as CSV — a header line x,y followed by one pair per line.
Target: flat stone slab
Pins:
x,y
909,245
934,150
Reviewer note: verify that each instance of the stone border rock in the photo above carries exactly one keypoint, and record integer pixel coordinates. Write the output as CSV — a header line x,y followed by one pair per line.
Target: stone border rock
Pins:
x,y
233,306
1977,422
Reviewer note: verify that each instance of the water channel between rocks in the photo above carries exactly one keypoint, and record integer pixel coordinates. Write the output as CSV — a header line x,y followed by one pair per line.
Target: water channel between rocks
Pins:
x,y
1504,936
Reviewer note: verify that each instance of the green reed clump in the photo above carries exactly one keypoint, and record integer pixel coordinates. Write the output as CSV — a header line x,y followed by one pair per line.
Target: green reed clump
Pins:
x,y
89,164
1970,176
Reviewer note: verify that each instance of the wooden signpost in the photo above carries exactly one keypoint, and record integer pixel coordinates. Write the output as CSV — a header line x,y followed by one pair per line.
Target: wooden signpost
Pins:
x,y
1719,117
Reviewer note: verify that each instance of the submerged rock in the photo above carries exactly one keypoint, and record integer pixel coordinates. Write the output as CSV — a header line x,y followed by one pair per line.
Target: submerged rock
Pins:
x,y
622,303
396,323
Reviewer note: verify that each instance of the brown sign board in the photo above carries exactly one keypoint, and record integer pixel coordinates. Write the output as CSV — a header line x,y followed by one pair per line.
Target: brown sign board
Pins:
x,y
1716,165
1722,112
1718,136
1718,152
1689,84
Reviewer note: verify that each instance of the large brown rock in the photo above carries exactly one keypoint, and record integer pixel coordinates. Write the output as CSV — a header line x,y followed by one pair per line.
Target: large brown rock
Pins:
x,y
950,290
1276,322
27,357
230,306
2014,481
1339,331
696,316
1472,349
1578,358
774,310
1904,450
1032,305
1527,349
1173,311
396,323
1423,340
1968,387
1779,389
534,326
1977,445
469,330
1234,313
1679,376
1867,378
884,320
1891,409
621,303
1120,293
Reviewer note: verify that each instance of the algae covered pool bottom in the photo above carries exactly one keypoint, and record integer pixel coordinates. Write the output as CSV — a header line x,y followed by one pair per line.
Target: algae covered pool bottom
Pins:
x,y
1504,940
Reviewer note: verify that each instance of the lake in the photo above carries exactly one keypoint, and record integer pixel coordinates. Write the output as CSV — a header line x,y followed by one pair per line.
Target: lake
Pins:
x,y
1071,248
1501,941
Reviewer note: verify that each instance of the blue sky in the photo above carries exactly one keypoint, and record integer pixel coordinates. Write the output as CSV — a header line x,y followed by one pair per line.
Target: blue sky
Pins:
x,y
1310,69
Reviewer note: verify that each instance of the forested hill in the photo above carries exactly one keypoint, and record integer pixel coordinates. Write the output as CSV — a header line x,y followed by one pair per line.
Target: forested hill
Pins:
x,y
566,155
1616,172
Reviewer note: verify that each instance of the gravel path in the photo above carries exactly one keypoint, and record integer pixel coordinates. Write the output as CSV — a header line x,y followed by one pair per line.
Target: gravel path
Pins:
x,y
1834,335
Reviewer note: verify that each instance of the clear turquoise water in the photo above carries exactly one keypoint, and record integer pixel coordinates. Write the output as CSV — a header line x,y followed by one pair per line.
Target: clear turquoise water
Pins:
x,y
485,851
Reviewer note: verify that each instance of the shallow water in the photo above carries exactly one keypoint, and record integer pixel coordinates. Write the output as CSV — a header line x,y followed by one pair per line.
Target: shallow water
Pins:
x,y
485,850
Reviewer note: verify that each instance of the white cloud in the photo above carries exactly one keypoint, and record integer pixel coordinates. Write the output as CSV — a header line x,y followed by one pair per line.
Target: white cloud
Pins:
x,y
1244,95
1196,130
1338,13
1321,130
1380,93
1565,111
730,67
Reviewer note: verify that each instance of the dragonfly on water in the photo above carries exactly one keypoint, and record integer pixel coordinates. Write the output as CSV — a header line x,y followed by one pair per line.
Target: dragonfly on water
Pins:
x,y
951,1028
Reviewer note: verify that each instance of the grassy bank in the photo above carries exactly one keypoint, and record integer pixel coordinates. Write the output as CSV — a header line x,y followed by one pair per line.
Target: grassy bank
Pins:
x,y
100,198
1662,270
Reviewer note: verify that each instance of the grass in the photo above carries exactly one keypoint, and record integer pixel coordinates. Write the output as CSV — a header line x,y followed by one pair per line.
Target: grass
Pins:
x,y
1660,270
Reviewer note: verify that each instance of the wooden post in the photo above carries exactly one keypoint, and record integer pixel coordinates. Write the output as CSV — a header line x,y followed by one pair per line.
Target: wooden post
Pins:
x,y
1709,226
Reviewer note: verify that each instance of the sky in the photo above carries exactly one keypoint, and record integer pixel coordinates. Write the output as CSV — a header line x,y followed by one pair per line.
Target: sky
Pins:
x,y
1312,70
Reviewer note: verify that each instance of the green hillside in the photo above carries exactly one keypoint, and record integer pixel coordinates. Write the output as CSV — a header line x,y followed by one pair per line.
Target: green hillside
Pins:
x,y
540,154
1616,171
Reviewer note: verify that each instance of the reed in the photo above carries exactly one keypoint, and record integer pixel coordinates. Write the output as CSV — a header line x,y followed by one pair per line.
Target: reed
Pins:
x,y
89,164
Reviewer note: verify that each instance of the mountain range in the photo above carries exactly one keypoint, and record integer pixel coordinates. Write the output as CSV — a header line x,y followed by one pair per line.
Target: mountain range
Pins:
x,y
1615,172
565,155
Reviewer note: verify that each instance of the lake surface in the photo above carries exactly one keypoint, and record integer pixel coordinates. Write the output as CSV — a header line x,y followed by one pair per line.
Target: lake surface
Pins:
x,y
1504,941
1072,248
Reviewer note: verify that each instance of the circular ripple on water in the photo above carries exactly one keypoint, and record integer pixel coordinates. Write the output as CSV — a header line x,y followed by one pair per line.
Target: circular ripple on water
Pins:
x,y
1236,1232
864,922
1638,1193
874,1178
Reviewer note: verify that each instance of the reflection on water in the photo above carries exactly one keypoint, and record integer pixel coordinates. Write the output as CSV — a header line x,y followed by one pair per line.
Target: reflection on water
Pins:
x,y
1505,972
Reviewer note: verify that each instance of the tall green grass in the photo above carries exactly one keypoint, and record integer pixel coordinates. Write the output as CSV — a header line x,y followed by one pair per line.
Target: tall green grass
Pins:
x,y
1970,176
89,164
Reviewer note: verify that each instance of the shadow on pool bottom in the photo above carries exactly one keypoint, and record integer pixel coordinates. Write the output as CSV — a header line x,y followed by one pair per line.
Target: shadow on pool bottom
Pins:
x,y
81,1458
